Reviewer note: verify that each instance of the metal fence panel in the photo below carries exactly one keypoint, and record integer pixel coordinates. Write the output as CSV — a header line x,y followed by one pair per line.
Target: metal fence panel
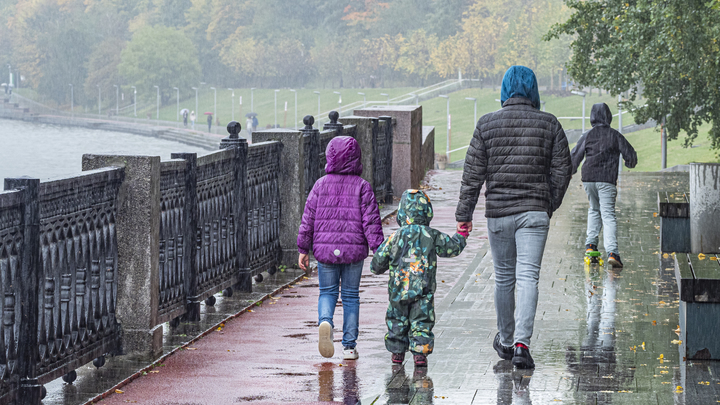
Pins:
x,y
263,206
78,287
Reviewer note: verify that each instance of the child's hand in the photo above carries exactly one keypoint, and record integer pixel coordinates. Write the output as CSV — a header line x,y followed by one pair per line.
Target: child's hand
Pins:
x,y
304,261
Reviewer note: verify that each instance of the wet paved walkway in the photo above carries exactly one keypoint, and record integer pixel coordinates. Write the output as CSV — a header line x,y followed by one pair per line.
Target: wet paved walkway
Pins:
x,y
601,336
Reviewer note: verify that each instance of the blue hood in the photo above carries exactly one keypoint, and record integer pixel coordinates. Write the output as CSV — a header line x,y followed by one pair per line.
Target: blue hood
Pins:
x,y
520,81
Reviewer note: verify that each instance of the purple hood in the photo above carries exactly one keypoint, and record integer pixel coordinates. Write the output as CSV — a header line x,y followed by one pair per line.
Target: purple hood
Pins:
x,y
343,156
341,219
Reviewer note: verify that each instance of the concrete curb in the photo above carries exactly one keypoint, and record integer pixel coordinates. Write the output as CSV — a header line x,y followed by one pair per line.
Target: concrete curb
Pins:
x,y
164,357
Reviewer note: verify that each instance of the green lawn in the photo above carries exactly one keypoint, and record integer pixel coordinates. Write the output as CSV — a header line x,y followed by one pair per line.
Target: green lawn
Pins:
x,y
264,104
647,146
461,111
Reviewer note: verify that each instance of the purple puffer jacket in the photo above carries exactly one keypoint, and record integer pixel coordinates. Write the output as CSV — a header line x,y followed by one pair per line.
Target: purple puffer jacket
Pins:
x,y
341,218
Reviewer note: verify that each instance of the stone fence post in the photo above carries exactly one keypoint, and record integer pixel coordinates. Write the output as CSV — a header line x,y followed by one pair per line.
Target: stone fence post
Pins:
x,y
705,207
27,291
334,125
312,153
138,239
366,130
239,208
292,184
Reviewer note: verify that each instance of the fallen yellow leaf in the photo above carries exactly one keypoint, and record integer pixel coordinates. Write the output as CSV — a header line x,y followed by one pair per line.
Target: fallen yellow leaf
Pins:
x,y
654,214
654,323
154,371
665,255
119,392
704,382
701,256
679,389
193,348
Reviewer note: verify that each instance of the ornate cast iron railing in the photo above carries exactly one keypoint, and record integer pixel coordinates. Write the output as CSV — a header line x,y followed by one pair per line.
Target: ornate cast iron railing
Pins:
x,y
172,264
11,262
216,261
263,206
79,258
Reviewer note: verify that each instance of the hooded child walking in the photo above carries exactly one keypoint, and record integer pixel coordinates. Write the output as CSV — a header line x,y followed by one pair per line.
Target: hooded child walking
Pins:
x,y
601,148
340,223
411,255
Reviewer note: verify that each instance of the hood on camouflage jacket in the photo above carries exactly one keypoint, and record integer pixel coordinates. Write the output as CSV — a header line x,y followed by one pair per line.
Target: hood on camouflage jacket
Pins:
x,y
341,218
411,252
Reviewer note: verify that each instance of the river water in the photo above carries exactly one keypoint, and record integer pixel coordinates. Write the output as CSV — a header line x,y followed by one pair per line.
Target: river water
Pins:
x,y
48,151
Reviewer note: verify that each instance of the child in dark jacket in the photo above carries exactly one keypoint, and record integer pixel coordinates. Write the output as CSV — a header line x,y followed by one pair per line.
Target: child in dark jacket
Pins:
x,y
601,148
411,255
341,221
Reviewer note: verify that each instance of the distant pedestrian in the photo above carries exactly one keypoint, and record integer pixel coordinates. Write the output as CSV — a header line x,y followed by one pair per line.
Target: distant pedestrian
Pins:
x,y
411,255
249,125
341,221
601,148
209,121
523,154
185,118
255,123
192,119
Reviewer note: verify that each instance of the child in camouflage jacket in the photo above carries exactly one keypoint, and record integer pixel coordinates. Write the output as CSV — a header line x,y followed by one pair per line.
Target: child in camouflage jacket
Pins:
x,y
411,255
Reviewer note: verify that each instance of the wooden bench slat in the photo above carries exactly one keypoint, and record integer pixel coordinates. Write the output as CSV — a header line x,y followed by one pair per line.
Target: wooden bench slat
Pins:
x,y
673,204
684,277
706,287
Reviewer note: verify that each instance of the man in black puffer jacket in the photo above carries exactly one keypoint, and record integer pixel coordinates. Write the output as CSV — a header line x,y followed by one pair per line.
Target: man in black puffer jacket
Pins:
x,y
523,155
601,148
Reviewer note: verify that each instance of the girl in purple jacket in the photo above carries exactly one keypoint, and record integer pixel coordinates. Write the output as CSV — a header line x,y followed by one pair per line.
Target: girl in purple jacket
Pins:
x,y
341,221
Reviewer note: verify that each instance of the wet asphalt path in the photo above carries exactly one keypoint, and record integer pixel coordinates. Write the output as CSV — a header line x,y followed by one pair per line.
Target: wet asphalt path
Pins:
x,y
601,336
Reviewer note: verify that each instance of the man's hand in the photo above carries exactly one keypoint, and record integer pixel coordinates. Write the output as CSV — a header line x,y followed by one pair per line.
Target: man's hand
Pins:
x,y
464,226
304,261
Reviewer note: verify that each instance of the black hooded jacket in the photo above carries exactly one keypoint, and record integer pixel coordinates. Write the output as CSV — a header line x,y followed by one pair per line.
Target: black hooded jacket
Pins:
x,y
601,148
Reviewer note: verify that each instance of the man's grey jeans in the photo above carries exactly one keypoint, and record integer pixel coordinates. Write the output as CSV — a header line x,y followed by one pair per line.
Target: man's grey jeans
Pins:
x,y
517,243
602,213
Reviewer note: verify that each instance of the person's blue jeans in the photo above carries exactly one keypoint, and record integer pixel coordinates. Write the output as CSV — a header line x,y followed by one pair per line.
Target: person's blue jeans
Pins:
x,y
602,213
517,243
330,276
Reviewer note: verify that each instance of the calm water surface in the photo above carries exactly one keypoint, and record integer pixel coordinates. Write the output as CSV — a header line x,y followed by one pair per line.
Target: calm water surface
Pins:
x,y
47,151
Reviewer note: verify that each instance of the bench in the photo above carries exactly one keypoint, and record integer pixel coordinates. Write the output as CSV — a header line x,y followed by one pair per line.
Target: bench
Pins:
x,y
699,287
674,212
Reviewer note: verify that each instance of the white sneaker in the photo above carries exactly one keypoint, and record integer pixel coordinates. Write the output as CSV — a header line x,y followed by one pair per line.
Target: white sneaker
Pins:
x,y
325,341
350,354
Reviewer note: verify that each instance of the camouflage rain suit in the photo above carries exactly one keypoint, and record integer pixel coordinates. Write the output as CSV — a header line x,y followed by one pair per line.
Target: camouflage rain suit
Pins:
x,y
411,255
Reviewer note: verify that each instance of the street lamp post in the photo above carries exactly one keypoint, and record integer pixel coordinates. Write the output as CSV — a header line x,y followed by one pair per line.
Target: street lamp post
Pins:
x,y
276,92
339,102
447,139
296,121
475,113
388,96
364,103
233,103
177,92
157,113
581,93
252,99
117,99
134,100
215,106
318,94
196,99
72,110
99,100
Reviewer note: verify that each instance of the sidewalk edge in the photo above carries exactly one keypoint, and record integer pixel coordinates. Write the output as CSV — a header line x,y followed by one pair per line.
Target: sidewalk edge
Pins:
x,y
164,357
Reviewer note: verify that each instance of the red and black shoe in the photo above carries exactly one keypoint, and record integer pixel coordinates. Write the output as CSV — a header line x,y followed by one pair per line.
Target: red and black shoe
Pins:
x,y
420,360
398,358
505,352
614,260
522,358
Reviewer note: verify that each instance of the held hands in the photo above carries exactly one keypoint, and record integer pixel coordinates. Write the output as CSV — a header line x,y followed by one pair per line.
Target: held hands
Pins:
x,y
304,261
464,228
